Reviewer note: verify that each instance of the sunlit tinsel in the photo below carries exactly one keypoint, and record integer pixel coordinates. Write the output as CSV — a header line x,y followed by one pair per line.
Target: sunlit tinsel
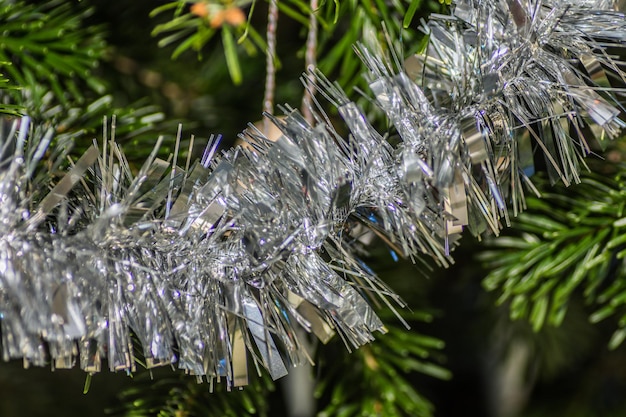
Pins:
x,y
213,263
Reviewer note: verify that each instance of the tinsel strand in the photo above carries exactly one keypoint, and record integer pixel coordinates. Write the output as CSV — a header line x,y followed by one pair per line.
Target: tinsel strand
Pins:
x,y
219,262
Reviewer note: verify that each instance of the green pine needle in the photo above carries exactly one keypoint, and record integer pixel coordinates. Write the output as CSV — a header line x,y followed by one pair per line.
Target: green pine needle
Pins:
x,y
569,241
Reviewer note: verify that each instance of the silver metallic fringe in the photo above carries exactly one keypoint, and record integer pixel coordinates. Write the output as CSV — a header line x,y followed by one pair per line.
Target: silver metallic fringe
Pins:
x,y
213,263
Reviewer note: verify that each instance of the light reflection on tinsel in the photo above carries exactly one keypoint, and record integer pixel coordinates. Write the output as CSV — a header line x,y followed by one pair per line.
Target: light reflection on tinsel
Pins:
x,y
221,260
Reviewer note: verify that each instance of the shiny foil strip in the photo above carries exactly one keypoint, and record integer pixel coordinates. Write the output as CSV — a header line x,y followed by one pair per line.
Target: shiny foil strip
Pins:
x,y
218,264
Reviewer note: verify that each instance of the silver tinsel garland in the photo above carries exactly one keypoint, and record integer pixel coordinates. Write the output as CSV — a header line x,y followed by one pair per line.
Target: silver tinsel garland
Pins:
x,y
212,263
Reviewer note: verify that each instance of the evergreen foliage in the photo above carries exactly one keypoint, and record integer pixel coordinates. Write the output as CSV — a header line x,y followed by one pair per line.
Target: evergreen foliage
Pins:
x,y
6,108
46,47
343,24
177,395
569,241
375,379
51,54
